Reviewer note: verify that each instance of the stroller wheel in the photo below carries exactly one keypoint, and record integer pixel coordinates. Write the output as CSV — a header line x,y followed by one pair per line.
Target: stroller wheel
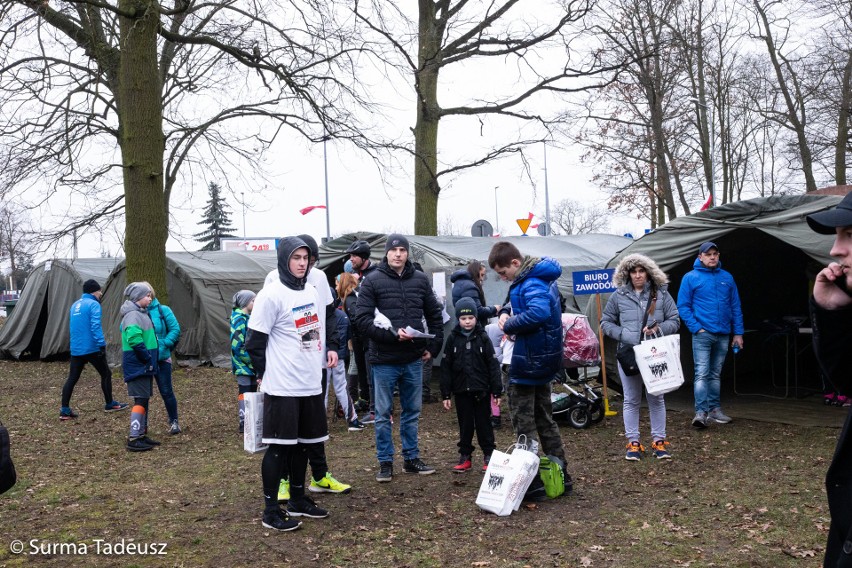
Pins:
x,y
578,417
596,412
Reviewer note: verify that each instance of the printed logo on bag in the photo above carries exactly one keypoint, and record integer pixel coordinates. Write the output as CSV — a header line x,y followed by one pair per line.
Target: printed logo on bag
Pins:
x,y
659,369
495,482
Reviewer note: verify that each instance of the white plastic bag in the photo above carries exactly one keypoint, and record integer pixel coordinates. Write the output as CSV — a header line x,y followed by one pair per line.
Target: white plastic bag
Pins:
x,y
253,430
506,480
381,321
659,363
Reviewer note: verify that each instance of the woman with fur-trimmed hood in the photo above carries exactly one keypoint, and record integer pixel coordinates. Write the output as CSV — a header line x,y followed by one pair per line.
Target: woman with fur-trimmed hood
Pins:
x,y
640,281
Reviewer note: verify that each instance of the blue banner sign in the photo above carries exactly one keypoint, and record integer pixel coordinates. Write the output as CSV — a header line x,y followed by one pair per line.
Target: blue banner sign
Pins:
x,y
593,281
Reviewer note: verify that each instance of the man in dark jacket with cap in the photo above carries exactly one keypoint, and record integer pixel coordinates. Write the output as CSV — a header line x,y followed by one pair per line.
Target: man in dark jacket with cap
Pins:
x,y
831,317
404,297
359,255
88,346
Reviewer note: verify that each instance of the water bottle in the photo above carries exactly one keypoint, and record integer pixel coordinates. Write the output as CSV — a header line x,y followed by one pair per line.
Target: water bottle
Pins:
x,y
736,349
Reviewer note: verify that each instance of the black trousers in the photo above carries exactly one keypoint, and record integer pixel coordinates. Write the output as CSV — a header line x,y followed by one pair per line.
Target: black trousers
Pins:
x,y
474,413
362,388
99,362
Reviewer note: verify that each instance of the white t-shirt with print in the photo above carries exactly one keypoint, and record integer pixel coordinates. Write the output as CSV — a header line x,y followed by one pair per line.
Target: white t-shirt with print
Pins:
x,y
294,320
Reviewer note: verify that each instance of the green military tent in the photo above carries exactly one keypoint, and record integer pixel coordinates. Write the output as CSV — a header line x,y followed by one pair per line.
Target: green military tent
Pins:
x,y
766,244
38,326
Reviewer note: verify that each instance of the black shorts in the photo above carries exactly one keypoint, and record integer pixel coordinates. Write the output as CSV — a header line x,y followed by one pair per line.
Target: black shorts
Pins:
x,y
140,387
293,420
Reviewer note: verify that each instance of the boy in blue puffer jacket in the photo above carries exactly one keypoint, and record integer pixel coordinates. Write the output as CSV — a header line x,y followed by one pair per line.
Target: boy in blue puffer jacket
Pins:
x,y
534,317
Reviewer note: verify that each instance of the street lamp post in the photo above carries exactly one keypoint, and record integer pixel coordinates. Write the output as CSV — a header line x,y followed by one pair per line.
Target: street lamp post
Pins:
x,y
243,199
327,204
711,183
496,214
546,196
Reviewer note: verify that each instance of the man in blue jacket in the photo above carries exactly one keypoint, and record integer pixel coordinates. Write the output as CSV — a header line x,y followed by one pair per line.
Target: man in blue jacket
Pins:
x,y
709,305
88,346
535,322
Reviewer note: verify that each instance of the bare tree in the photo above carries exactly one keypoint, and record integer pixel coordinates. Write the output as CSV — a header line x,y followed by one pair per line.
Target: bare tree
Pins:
x,y
16,243
631,127
773,31
518,38
115,102
569,217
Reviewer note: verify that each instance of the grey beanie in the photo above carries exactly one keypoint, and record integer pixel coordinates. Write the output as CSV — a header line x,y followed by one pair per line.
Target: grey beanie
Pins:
x,y
243,298
135,291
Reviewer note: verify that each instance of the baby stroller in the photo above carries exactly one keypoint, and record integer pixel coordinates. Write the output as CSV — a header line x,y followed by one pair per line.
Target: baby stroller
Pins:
x,y
576,400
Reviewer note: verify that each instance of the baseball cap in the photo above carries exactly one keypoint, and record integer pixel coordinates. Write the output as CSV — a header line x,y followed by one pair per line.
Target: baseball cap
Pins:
x,y
825,222
707,246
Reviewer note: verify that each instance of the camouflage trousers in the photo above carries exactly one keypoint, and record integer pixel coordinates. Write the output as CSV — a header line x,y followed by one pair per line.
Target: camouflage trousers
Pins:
x,y
532,416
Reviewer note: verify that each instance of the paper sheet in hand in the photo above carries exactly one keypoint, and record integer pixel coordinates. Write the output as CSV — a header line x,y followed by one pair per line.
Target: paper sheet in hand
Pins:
x,y
418,334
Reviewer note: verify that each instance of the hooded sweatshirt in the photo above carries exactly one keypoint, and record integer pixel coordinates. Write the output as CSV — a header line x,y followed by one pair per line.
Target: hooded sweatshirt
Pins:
x,y
291,315
138,342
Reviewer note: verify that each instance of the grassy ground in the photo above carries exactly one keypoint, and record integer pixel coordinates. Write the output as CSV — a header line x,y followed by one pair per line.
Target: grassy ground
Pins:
x,y
744,494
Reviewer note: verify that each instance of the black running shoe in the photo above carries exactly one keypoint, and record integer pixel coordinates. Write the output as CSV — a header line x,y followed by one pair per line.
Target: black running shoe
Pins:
x,y
305,507
417,466
279,520
137,445
385,472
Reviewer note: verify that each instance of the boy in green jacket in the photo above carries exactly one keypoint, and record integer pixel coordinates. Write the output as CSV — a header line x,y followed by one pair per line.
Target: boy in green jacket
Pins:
x,y
138,361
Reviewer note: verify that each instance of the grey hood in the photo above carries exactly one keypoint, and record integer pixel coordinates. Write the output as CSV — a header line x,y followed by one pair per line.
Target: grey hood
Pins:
x,y
129,306
286,247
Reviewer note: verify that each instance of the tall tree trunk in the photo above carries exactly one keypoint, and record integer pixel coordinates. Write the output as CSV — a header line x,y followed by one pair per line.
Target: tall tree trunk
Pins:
x,y
842,143
703,125
426,188
142,142
795,104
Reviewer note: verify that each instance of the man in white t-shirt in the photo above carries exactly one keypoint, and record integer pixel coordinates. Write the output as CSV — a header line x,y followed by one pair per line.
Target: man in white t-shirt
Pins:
x,y
321,479
286,344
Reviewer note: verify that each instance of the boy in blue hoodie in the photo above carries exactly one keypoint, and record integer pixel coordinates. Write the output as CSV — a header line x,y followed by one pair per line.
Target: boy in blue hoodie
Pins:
x,y
534,317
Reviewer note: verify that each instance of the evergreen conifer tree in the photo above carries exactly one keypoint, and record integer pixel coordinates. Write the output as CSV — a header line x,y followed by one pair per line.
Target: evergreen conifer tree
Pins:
x,y
217,220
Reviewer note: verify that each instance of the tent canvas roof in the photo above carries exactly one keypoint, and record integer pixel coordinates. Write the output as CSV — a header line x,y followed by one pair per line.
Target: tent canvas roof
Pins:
x,y
201,286
447,253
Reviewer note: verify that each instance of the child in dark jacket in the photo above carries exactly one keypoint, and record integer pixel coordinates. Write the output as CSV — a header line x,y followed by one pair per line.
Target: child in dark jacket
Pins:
x,y
240,361
471,373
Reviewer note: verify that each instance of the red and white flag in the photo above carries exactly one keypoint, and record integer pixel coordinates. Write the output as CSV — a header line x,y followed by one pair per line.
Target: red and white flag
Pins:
x,y
307,210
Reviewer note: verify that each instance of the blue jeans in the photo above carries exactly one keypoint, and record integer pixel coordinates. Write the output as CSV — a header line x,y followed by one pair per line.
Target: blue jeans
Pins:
x,y
164,385
409,379
708,351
